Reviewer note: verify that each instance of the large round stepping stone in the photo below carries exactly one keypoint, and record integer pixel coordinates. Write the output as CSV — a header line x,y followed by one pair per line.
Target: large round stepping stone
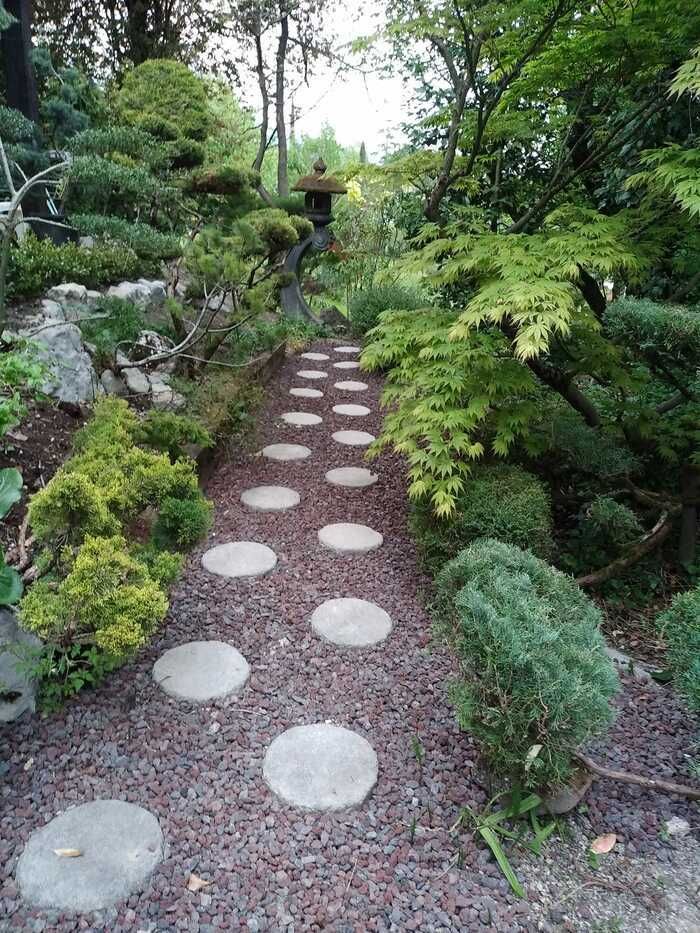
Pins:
x,y
319,357
201,670
239,559
320,767
270,498
350,538
353,438
351,386
346,364
355,411
286,452
351,623
312,374
354,477
301,418
120,844
306,393
346,349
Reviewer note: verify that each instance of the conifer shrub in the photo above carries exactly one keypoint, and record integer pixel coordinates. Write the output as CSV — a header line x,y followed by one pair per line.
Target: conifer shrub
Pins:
x,y
680,627
534,680
367,304
182,523
167,90
170,433
144,240
497,501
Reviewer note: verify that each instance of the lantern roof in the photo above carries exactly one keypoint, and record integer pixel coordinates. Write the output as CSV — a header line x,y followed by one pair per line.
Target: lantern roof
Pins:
x,y
319,181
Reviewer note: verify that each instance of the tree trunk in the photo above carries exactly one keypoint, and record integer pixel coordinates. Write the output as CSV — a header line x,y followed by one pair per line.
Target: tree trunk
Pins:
x,y
16,45
690,499
138,43
282,156
442,183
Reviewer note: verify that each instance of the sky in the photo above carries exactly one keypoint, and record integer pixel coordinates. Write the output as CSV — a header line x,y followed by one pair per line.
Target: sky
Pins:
x,y
361,106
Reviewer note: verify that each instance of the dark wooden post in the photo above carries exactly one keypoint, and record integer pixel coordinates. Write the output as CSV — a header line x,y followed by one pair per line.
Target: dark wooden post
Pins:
x,y
16,44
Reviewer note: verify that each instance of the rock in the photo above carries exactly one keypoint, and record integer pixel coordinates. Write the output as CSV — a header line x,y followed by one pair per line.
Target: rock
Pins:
x,y
354,477
633,668
565,798
301,418
346,349
163,395
17,693
286,452
130,291
201,670
306,393
270,498
312,374
112,384
677,826
72,377
93,296
156,289
137,381
354,411
353,438
52,310
150,342
350,538
351,623
239,559
70,291
121,359
351,386
318,357
87,242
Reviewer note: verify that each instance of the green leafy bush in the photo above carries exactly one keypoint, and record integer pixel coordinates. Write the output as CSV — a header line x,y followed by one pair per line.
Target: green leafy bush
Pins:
x,y
35,265
157,126
680,627
122,321
229,179
130,141
604,530
14,126
144,240
22,375
535,682
366,305
10,492
499,501
170,433
185,153
167,90
182,523
107,186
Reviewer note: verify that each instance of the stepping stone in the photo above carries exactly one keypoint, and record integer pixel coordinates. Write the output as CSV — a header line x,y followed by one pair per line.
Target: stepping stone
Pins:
x,y
351,623
286,452
201,670
350,538
351,386
346,349
239,559
354,477
320,767
301,418
270,498
345,364
315,356
312,374
120,845
354,411
354,438
306,393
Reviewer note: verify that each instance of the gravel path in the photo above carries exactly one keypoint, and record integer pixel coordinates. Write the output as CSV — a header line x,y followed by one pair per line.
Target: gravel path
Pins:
x,y
389,864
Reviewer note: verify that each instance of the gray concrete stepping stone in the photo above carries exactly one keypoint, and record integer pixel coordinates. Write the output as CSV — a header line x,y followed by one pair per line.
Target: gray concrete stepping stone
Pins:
x,y
301,418
306,393
350,538
120,844
351,623
321,767
312,374
315,356
286,452
239,559
346,364
201,670
351,386
354,477
347,349
270,498
355,411
353,438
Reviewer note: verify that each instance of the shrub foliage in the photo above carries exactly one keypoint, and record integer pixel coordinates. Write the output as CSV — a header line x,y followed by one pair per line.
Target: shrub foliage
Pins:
x,y
680,626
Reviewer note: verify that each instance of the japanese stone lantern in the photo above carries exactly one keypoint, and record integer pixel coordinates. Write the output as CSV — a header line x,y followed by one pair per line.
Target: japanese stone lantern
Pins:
x,y
318,189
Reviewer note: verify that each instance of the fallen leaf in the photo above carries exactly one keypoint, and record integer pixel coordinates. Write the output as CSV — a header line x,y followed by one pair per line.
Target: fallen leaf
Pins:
x,y
28,764
532,753
603,844
196,883
68,853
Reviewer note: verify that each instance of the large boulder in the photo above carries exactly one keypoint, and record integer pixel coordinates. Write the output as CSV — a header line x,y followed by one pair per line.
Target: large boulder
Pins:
x,y
146,293
69,291
17,692
71,375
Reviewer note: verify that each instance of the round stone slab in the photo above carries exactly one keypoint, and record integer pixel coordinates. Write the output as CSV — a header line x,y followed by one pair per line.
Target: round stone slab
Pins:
x,y
320,767
286,452
350,538
120,845
351,386
354,438
301,418
354,477
312,374
306,393
315,356
346,364
346,349
270,498
239,559
351,623
201,670
355,411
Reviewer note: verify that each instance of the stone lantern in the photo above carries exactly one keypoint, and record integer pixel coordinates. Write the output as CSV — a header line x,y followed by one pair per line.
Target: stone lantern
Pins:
x,y
318,189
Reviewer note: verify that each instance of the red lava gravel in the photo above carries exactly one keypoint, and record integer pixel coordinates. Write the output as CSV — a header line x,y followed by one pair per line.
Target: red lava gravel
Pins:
x,y
391,864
